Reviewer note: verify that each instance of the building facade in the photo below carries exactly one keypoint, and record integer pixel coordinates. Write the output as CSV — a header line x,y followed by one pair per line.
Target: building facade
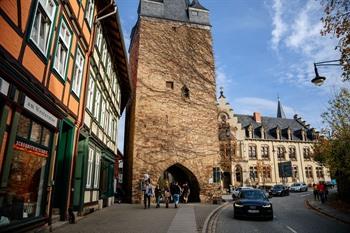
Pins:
x,y
171,125
45,50
253,146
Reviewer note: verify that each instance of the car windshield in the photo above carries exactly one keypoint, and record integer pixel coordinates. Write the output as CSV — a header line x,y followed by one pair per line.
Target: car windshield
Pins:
x,y
252,194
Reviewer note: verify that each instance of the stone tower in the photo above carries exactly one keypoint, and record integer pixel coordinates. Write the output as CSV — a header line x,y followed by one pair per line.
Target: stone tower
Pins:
x,y
171,126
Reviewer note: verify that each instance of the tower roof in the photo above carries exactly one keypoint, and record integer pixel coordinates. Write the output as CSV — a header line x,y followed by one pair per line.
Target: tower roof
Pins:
x,y
177,10
280,112
196,4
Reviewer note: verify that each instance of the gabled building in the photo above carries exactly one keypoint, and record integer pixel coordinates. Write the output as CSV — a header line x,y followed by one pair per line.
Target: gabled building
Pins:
x,y
253,146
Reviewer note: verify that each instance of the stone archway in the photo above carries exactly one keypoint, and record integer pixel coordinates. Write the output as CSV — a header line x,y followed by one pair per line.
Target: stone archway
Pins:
x,y
181,174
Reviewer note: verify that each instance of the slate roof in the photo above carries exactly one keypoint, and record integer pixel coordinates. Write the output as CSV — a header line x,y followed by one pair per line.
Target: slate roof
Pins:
x,y
271,123
196,4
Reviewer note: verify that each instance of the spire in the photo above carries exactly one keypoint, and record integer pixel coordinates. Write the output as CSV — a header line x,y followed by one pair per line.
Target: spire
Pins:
x,y
196,4
280,112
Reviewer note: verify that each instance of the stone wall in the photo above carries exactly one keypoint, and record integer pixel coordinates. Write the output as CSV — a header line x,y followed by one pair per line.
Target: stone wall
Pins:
x,y
165,127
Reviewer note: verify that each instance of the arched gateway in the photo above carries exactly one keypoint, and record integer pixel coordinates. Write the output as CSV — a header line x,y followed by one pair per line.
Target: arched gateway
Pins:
x,y
181,174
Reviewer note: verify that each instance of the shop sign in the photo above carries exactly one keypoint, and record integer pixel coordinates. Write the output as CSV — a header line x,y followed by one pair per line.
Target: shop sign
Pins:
x,y
39,111
30,149
4,86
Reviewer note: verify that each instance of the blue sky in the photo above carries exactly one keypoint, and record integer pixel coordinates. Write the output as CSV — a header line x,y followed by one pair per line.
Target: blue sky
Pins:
x,y
264,49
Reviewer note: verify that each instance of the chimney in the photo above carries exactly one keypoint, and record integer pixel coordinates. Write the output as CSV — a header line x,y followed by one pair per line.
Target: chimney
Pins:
x,y
257,117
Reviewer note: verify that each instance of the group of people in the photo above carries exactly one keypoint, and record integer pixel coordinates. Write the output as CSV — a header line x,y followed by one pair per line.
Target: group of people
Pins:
x,y
174,192
320,191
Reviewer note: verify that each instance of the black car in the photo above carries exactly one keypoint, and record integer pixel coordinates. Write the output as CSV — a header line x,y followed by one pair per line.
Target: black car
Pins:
x,y
279,190
252,203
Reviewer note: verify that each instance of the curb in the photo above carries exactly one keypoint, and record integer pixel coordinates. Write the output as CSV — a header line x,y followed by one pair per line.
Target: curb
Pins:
x,y
211,216
307,203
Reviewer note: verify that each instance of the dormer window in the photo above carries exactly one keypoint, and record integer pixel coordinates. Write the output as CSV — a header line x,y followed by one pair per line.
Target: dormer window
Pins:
x,y
195,13
262,133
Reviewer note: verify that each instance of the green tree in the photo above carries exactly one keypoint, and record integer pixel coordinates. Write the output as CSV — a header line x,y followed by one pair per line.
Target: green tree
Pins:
x,y
337,22
333,151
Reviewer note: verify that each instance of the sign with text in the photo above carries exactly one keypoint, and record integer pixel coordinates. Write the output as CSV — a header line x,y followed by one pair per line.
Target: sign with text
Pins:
x,y
39,111
30,149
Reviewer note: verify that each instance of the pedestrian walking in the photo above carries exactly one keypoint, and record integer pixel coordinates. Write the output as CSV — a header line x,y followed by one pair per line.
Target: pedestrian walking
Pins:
x,y
321,191
148,193
315,192
175,191
185,192
167,196
158,195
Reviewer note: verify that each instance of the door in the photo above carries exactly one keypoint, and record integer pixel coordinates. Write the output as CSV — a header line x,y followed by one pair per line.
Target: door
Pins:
x,y
63,165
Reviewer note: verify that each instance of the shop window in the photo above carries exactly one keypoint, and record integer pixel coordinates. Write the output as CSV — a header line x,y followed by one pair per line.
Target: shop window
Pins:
x,y
24,195
35,133
62,50
23,127
42,24
78,72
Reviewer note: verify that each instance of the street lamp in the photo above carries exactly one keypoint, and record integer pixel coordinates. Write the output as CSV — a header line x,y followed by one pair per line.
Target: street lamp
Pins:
x,y
319,80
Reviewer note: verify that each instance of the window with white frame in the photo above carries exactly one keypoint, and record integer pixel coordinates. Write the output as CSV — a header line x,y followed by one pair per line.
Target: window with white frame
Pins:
x,y
104,54
265,152
42,25
62,49
97,104
78,72
90,167
91,91
97,169
98,41
89,11
103,112
109,68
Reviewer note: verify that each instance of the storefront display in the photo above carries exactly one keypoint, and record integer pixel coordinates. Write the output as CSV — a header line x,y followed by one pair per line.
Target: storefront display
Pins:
x,y
22,198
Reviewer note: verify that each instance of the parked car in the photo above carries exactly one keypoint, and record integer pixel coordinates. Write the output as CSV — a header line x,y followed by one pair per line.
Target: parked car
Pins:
x,y
279,190
298,187
252,203
236,192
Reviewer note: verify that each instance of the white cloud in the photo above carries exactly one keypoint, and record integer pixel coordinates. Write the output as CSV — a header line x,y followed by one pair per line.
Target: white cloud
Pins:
x,y
279,27
248,105
304,41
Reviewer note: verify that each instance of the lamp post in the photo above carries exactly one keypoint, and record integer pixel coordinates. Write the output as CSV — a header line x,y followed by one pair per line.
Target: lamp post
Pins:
x,y
319,80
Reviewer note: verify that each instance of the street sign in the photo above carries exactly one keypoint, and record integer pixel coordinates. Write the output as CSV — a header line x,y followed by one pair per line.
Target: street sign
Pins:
x,y
285,169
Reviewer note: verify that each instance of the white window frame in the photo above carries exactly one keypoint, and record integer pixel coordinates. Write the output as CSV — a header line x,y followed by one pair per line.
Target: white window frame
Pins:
x,y
104,54
91,91
42,10
97,104
78,72
103,112
90,6
99,37
90,167
63,44
97,169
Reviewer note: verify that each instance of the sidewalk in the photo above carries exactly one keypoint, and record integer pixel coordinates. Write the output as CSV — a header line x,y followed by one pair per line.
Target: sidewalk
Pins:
x,y
332,208
132,218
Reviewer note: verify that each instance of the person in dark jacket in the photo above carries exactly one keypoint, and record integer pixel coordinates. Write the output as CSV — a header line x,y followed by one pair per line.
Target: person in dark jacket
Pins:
x,y
175,191
158,195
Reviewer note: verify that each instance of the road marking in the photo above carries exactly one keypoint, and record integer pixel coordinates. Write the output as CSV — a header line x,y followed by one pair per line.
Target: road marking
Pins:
x,y
291,229
305,195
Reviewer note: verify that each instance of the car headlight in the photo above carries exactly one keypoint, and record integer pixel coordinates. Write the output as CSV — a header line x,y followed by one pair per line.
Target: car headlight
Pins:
x,y
266,206
238,205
